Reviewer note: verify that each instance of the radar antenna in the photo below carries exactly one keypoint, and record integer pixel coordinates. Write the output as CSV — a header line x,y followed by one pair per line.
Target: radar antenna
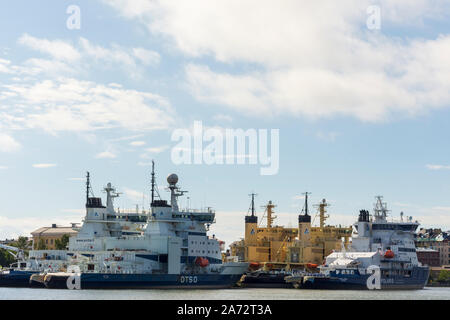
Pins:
x,y
380,208
154,185
252,205
306,208
88,187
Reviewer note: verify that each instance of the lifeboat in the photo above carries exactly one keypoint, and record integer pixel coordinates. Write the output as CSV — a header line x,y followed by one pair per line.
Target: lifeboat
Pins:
x,y
202,262
312,265
389,254
254,265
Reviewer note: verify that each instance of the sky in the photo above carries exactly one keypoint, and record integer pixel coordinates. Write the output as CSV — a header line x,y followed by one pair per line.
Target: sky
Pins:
x,y
361,102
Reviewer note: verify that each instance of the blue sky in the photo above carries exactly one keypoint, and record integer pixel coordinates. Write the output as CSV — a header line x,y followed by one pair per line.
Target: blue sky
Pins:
x,y
360,112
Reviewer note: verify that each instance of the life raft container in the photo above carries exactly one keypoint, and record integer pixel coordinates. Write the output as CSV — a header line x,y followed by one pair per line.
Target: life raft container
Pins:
x,y
202,262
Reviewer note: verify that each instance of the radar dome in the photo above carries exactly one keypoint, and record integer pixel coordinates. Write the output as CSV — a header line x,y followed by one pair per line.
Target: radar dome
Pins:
x,y
172,179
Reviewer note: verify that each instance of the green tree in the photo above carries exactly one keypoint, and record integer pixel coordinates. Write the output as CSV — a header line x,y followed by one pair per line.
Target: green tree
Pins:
x,y
61,244
444,276
41,245
6,258
22,243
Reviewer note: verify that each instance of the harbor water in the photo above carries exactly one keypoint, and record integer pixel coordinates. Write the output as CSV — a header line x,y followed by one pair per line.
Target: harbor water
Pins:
x,y
225,294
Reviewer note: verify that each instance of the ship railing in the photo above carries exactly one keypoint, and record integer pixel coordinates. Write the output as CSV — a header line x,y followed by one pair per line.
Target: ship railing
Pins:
x,y
131,211
209,210
232,259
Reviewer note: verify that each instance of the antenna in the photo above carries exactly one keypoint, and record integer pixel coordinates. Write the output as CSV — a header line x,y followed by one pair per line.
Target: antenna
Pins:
x,y
88,186
323,210
306,209
153,182
380,209
270,216
154,185
253,203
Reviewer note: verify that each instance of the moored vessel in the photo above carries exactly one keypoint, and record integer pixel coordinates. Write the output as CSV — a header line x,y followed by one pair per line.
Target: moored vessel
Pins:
x,y
382,256
174,251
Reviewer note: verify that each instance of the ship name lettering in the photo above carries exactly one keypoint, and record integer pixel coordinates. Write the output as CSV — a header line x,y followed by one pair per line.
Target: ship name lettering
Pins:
x,y
188,279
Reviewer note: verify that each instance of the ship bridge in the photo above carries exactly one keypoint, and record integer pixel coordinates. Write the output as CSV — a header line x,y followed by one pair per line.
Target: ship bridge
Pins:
x,y
197,215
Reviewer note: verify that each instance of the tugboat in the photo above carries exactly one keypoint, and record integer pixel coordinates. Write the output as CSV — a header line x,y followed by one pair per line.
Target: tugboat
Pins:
x,y
174,252
382,256
19,273
266,279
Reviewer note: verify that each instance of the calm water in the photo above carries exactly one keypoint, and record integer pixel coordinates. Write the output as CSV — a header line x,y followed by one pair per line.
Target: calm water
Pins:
x,y
226,294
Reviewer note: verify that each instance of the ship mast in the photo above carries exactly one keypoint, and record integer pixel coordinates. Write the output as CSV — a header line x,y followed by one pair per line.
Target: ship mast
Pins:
x,y
270,216
380,209
88,187
154,186
323,210
253,203
153,183
306,209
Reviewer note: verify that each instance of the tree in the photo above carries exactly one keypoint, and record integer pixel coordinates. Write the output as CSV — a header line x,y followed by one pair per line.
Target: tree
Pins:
x,y
444,276
22,243
41,245
61,244
6,258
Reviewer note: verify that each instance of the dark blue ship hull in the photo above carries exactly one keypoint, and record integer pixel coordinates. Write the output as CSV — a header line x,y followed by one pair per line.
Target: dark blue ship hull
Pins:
x,y
144,281
265,280
417,280
16,279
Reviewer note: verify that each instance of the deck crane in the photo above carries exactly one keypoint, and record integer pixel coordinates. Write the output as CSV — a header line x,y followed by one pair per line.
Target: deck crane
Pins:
x,y
15,252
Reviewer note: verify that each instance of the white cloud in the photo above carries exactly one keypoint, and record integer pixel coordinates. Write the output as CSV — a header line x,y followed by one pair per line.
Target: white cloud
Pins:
x,y
147,57
312,59
149,152
8,143
74,105
69,58
157,149
106,155
222,118
58,49
3,167
137,143
128,59
437,167
5,66
12,228
134,195
126,138
44,165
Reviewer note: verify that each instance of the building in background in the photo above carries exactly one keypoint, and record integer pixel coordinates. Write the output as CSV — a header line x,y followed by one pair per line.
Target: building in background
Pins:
x,y
47,236
435,239
429,257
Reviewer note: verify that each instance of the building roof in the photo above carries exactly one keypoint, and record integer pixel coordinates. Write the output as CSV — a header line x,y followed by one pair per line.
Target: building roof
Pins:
x,y
50,231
